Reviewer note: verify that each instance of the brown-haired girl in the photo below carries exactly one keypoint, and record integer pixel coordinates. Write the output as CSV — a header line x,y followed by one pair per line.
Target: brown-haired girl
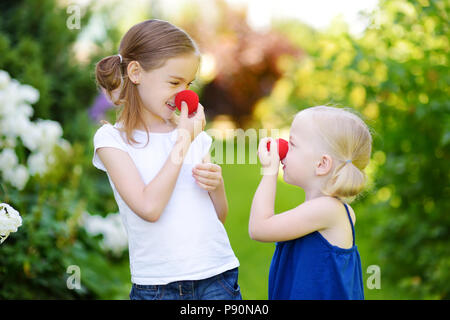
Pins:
x,y
171,198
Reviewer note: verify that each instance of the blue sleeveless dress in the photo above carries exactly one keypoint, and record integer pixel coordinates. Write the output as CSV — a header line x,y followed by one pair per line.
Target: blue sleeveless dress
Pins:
x,y
310,268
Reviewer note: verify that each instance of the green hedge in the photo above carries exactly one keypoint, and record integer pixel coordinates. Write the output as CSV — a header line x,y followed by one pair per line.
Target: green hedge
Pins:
x,y
396,76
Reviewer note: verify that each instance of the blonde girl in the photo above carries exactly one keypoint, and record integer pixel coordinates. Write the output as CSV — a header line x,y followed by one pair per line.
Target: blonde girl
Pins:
x,y
315,256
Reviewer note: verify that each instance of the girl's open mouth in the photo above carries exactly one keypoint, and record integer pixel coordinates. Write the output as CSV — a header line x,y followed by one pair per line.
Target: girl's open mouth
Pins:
x,y
171,106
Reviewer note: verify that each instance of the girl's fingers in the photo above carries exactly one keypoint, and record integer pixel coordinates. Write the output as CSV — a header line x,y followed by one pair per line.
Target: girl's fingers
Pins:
x,y
184,110
266,157
262,142
203,186
200,108
206,181
208,167
199,113
206,174
273,147
262,148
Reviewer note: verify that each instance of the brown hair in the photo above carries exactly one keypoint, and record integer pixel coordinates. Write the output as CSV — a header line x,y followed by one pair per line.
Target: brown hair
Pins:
x,y
151,43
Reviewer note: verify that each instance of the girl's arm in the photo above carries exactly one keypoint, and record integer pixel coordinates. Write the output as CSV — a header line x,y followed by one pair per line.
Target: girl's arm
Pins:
x,y
149,201
263,205
308,217
209,177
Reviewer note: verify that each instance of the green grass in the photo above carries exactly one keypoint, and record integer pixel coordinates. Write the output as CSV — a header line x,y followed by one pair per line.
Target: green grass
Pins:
x,y
241,181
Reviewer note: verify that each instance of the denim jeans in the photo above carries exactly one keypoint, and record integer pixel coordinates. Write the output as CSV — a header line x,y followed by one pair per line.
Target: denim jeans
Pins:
x,y
223,286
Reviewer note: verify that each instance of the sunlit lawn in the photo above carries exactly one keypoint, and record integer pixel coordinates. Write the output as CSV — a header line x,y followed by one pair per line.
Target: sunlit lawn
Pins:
x,y
241,181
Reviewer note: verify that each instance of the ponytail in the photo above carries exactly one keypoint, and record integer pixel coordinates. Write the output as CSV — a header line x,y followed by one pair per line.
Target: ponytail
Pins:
x,y
346,182
108,74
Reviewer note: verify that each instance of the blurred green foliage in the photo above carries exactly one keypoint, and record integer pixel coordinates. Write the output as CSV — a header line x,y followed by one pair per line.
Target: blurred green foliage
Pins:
x,y
37,49
396,76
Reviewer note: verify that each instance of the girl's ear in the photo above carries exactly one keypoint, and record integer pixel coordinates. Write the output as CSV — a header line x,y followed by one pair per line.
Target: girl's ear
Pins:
x,y
134,71
324,166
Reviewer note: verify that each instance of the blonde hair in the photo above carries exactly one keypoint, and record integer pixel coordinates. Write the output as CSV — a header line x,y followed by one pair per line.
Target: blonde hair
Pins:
x,y
151,43
348,139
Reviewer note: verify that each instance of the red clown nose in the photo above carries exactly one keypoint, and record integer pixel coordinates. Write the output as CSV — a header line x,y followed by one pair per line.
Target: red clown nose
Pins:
x,y
190,97
283,147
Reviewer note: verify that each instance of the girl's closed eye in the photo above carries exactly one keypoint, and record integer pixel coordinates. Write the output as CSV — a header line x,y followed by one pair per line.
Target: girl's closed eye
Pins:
x,y
175,83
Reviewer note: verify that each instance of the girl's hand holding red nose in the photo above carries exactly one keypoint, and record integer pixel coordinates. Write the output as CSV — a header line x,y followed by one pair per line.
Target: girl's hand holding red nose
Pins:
x,y
188,96
270,159
283,147
191,126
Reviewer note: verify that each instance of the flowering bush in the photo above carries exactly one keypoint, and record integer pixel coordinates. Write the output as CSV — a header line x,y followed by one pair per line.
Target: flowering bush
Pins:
x,y
49,181
26,146
10,220
42,177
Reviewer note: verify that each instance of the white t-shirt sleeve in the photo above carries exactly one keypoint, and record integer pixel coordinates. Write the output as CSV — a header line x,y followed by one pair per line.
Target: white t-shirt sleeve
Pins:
x,y
106,136
206,143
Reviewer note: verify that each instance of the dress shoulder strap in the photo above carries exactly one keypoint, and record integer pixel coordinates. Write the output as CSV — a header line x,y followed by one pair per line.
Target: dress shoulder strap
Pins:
x,y
351,222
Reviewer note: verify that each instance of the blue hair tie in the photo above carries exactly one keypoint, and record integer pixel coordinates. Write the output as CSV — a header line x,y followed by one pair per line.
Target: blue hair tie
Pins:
x,y
348,161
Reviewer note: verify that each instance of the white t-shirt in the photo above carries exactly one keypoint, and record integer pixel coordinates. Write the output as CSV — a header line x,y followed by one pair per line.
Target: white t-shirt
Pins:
x,y
188,242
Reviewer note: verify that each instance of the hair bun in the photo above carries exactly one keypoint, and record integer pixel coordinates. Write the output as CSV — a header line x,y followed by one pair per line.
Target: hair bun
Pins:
x,y
108,73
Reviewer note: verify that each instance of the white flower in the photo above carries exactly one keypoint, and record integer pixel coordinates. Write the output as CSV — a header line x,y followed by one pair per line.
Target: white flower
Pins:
x,y
10,98
17,177
16,174
29,94
37,163
8,159
10,220
8,143
111,227
50,133
21,177
25,110
6,107
4,79
30,137
15,125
